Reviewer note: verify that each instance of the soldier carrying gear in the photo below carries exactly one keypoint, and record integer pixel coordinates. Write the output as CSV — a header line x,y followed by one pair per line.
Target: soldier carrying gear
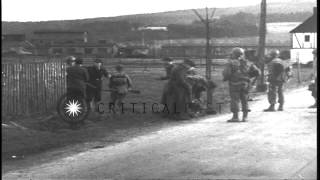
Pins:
x,y
178,77
121,83
77,78
239,72
168,67
278,74
96,72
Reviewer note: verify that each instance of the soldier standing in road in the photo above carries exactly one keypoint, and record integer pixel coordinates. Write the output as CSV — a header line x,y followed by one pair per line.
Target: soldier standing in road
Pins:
x,y
313,87
120,83
96,72
278,74
77,78
238,72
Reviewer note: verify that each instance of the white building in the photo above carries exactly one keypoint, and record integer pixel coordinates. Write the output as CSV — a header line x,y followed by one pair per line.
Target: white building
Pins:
x,y
304,40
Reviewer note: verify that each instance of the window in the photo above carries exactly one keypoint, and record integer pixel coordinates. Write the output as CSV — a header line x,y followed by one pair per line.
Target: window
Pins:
x,y
88,50
307,38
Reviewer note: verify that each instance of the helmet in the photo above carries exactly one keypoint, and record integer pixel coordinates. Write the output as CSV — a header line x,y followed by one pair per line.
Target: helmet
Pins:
x,y
274,53
237,52
70,59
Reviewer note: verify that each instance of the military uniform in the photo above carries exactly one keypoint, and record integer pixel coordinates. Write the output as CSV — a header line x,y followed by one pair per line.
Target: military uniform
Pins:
x,y
120,82
238,73
178,93
77,78
279,73
168,68
95,79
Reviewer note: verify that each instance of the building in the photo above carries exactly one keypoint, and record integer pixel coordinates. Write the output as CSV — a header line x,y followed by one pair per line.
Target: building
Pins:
x,y
304,40
16,44
84,49
47,37
57,42
218,50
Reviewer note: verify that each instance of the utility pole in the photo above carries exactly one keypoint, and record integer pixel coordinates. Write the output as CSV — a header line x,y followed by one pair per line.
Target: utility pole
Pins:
x,y
207,22
261,86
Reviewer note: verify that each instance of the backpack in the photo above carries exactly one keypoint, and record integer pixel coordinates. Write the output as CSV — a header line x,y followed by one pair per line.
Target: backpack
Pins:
x,y
119,79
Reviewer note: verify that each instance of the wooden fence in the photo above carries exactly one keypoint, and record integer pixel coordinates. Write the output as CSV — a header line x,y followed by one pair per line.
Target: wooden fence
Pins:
x,y
32,87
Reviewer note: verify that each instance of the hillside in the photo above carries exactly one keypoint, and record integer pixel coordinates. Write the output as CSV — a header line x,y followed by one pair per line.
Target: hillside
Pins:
x,y
120,28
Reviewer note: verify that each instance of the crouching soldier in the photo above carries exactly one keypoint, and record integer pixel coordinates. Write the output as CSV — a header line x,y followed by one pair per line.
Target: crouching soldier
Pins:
x,y
199,85
120,83
238,72
179,91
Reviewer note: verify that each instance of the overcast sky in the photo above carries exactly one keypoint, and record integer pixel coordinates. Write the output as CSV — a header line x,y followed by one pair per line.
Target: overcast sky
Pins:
x,y
43,10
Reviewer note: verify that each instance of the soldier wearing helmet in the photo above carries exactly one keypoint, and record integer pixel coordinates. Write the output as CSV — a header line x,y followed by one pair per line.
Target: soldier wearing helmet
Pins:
x,y
278,74
77,78
238,72
120,83
178,91
313,86
70,60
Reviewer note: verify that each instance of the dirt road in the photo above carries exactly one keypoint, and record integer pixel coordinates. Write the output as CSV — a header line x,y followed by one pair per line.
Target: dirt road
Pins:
x,y
271,145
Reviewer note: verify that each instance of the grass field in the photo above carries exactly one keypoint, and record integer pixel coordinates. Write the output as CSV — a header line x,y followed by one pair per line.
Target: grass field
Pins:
x,y
40,133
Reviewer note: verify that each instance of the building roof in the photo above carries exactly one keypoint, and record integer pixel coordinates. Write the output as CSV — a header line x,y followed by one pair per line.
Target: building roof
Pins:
x,y
58,32
309,25
83,45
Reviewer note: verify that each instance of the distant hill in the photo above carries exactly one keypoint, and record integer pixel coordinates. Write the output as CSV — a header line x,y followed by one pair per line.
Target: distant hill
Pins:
x,y
107,27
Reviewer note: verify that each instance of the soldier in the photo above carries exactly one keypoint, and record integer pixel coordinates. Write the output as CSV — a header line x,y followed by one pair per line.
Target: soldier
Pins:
x,y
238,72
250,56
313,87
77,78
121,83
278,74
199,85
168,65
179,92
96,72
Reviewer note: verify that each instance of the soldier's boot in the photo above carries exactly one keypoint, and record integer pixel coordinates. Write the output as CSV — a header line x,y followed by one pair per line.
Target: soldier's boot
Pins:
x,y
235,118
280,108
245,116
270,109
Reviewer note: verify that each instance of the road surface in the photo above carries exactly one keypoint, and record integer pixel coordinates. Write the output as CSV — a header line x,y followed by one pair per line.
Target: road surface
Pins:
x,y
272,145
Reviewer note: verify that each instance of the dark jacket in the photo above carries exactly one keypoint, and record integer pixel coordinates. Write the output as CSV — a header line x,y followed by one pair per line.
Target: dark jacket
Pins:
x,y
77,77
95,75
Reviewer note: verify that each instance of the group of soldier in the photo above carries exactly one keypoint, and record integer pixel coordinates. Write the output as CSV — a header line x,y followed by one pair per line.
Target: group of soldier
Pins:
x,y
86,82
182,92
240,72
